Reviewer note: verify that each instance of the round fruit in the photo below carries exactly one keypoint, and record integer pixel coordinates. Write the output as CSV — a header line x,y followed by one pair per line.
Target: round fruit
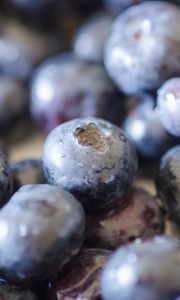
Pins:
x,y
142,50
150,271
41,228
91,158
65,87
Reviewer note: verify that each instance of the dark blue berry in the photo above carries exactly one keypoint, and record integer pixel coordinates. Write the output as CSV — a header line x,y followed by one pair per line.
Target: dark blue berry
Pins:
x,y
144,127
91,158
41,229
147,271
142,50
65,87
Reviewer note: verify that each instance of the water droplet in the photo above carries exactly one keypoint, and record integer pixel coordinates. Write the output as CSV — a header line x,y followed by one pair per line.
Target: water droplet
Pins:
x,y
122,137
63,155
80,165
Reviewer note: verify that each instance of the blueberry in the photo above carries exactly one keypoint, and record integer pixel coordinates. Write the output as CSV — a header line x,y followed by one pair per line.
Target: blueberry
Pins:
x,y
65,87
28,171
147,271
80,278
168,179
142,50
22,48
168,106
90,39
6,183
91,158
137,215
13,103
144,127
41,228
8,292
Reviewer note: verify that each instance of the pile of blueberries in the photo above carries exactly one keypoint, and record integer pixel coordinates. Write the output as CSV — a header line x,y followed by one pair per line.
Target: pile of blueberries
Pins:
x,y
102,79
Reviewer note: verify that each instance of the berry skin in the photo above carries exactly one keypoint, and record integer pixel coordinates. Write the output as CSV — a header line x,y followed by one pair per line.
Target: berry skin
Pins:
x,y
147,271
28,171
65,87
41,229
136,215
168,106
144,127
142,50
80,278
90,39
168,183
91,158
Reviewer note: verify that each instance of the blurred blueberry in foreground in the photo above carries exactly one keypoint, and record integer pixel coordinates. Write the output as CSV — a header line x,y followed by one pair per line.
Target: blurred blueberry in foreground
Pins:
x,y
147,271
41,229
